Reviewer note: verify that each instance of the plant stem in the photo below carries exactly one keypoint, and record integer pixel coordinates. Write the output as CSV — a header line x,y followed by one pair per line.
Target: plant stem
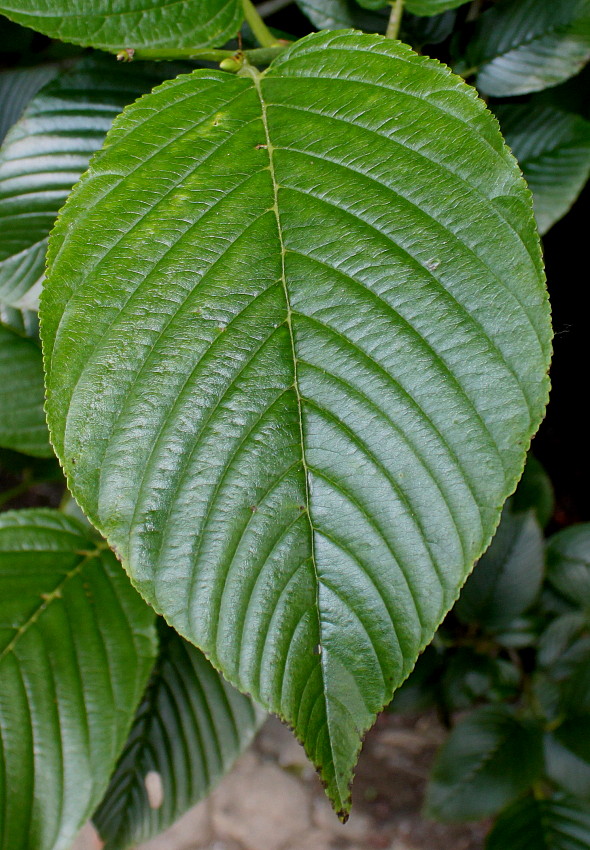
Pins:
x,y
395,19
257,56
261,32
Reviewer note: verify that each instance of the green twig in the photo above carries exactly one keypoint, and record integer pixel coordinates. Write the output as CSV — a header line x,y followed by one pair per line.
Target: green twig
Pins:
x,y
395,19
258,56
261,32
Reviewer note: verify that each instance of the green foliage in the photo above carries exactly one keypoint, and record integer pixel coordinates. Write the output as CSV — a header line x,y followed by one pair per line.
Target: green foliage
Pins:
x,y
46,152
568,564
252,473
556,823
22,420
188,730
489,759
76,647
120,24
17,87
341,14
296,338
553,150
523,46
509,575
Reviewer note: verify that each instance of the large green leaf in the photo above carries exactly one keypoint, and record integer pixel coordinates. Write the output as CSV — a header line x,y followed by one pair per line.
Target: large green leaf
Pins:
x,y
189,728
118,24
487,761
76,647
296,376
17,87
568,563
47,151
557,823
553,150
507,579
22,419
523,46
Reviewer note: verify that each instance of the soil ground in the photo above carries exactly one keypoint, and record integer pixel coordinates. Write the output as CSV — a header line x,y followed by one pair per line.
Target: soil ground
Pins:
x,y
272,800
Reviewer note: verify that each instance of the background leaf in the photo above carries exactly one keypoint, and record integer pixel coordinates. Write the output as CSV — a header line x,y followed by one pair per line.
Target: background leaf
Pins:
x,y
17,87
47,151
553,150
524,46
118,24
76,647
189,729
534,492
507,579
432,7
568,564
22,418
557,823
340,14
299,463
487,761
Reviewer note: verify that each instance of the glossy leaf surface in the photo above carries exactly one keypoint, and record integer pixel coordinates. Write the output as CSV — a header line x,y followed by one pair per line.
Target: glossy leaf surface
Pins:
x,y
24,322
189,729
507,579
118,24
557,823
487,761
294,439
76,647
22,418
17,87
46,152
553,150
523,46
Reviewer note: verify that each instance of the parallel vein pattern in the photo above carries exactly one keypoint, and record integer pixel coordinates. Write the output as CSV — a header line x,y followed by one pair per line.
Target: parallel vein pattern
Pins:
x,y
76,647
22,418
188,730
300,365
524,46
117,24
46,152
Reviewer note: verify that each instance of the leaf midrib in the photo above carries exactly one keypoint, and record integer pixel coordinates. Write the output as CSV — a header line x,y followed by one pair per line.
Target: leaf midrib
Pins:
x,y
46,602
257,78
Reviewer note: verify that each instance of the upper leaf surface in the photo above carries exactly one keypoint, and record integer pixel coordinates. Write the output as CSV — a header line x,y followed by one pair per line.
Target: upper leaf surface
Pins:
x,y
432,7
523,46
118,24
568,563
553,150
189,729
507,579
76,647
557,823
295,378
488,760
17,87
47,151
22,418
